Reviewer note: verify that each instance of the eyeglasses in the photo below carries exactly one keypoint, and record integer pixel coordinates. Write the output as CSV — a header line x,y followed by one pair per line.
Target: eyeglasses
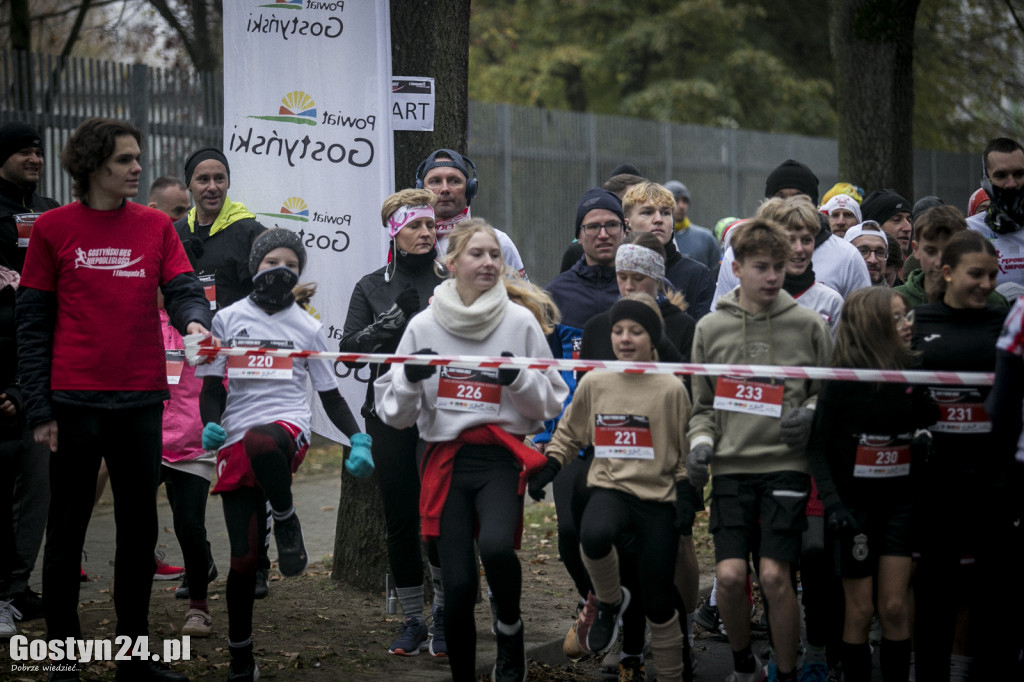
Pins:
x,y
612,227
907,317
880,253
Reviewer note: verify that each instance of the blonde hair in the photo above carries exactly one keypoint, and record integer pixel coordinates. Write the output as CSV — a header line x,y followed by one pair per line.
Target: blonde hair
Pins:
x,y
647,192
406,197
795,213
531,297
304,293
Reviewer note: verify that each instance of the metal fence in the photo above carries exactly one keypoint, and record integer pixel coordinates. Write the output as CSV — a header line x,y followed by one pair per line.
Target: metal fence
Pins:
x,y
534,164
177,110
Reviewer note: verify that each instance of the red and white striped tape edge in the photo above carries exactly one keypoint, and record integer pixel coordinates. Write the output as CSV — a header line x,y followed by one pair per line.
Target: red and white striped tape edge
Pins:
x,y
194,349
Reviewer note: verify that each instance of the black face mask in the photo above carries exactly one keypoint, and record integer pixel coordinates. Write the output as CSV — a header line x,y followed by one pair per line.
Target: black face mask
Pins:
x,y
1006,210
272,288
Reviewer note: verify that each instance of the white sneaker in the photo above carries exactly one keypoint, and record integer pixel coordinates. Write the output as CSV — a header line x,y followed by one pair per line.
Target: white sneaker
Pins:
x,y
8,614
197,623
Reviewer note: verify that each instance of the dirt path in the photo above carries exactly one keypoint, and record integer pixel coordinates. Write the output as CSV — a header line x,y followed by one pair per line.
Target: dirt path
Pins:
x,y
312,627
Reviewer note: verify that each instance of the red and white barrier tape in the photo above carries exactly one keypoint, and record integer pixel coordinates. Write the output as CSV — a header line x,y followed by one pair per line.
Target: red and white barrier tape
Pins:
x,y
194,350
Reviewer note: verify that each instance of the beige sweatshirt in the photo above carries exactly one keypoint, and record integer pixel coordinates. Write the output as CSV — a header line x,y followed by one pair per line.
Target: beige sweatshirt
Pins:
x,y
637,424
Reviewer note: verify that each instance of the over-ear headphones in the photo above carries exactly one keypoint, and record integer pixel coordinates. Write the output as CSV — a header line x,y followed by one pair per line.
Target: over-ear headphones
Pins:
x,y
455,160
986,182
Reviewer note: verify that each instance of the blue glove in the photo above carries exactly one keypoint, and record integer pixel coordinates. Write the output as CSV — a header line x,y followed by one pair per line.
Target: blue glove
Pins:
x,y
213,436
359,462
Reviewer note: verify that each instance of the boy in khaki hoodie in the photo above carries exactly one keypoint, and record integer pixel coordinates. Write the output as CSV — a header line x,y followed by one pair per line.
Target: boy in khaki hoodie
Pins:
x,y
754,430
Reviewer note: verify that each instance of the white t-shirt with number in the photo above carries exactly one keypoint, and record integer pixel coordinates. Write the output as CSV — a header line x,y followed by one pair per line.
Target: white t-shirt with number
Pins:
x,y
273,394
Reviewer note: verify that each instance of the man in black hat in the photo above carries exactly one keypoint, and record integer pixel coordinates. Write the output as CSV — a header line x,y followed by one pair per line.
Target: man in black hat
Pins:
x,y
1002,222
21,165
452,177
892,213
837,264
217,233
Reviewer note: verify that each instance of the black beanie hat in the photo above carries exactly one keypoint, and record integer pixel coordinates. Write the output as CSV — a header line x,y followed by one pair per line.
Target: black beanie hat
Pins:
x,y
625,169
274,238
594,199
17,135
204,154
641,313
924,203
883,204
792,174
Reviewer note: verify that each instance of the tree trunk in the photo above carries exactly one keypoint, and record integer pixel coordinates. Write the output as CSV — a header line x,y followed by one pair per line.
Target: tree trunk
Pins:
x,y
428,38
21,43
431,38
872,49
360,555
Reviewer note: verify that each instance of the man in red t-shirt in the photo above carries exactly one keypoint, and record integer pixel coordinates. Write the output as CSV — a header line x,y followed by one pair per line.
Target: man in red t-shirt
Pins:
x,y
92,369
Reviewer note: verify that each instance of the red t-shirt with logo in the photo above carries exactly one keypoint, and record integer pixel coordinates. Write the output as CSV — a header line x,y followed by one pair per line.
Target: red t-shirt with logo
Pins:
x,y
105,268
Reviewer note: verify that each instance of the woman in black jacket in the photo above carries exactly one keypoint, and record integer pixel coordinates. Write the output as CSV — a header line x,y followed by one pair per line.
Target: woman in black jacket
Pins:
x,y
381,306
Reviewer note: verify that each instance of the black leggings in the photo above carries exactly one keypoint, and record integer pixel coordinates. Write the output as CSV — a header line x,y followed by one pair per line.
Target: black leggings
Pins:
x,y
270,450
571,496
187,495
647,529
484,494
130,442
398,479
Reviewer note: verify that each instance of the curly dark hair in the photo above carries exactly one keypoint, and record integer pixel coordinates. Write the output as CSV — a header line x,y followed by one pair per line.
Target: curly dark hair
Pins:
x,y
90,146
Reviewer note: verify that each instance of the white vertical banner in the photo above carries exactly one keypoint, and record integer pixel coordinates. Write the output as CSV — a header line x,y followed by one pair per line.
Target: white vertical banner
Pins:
x,y
307,131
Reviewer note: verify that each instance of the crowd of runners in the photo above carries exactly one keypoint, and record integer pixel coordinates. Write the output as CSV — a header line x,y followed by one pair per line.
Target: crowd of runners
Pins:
x,y
888,499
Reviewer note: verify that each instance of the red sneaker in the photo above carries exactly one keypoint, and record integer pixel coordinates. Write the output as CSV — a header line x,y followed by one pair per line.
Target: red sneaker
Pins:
x,y
165,571
84,577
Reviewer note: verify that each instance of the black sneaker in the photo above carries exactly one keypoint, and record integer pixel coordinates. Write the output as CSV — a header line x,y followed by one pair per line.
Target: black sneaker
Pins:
x,y
243,670
243,666
29,603
605,629
262,584
510,664
181,591
291,547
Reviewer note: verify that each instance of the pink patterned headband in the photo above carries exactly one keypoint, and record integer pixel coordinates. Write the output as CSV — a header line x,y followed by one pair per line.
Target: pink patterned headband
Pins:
x,y
635,258
404,215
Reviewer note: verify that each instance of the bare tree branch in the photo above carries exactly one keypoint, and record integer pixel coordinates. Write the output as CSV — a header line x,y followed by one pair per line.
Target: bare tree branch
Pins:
x,y
76,29
1013,12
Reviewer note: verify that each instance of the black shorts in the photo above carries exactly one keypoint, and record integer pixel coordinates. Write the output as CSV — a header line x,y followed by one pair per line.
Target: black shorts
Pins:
x,y
743,503
882,531
688,503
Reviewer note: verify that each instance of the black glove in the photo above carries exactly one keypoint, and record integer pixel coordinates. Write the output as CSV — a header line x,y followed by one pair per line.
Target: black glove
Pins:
x,y
507,376
417,373
408,301
922,446
839,518
540,480
697,461
795,427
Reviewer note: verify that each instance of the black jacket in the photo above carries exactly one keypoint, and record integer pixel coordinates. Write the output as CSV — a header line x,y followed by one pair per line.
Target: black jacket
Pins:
x,y
368,326
691,278
14,200
225,255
